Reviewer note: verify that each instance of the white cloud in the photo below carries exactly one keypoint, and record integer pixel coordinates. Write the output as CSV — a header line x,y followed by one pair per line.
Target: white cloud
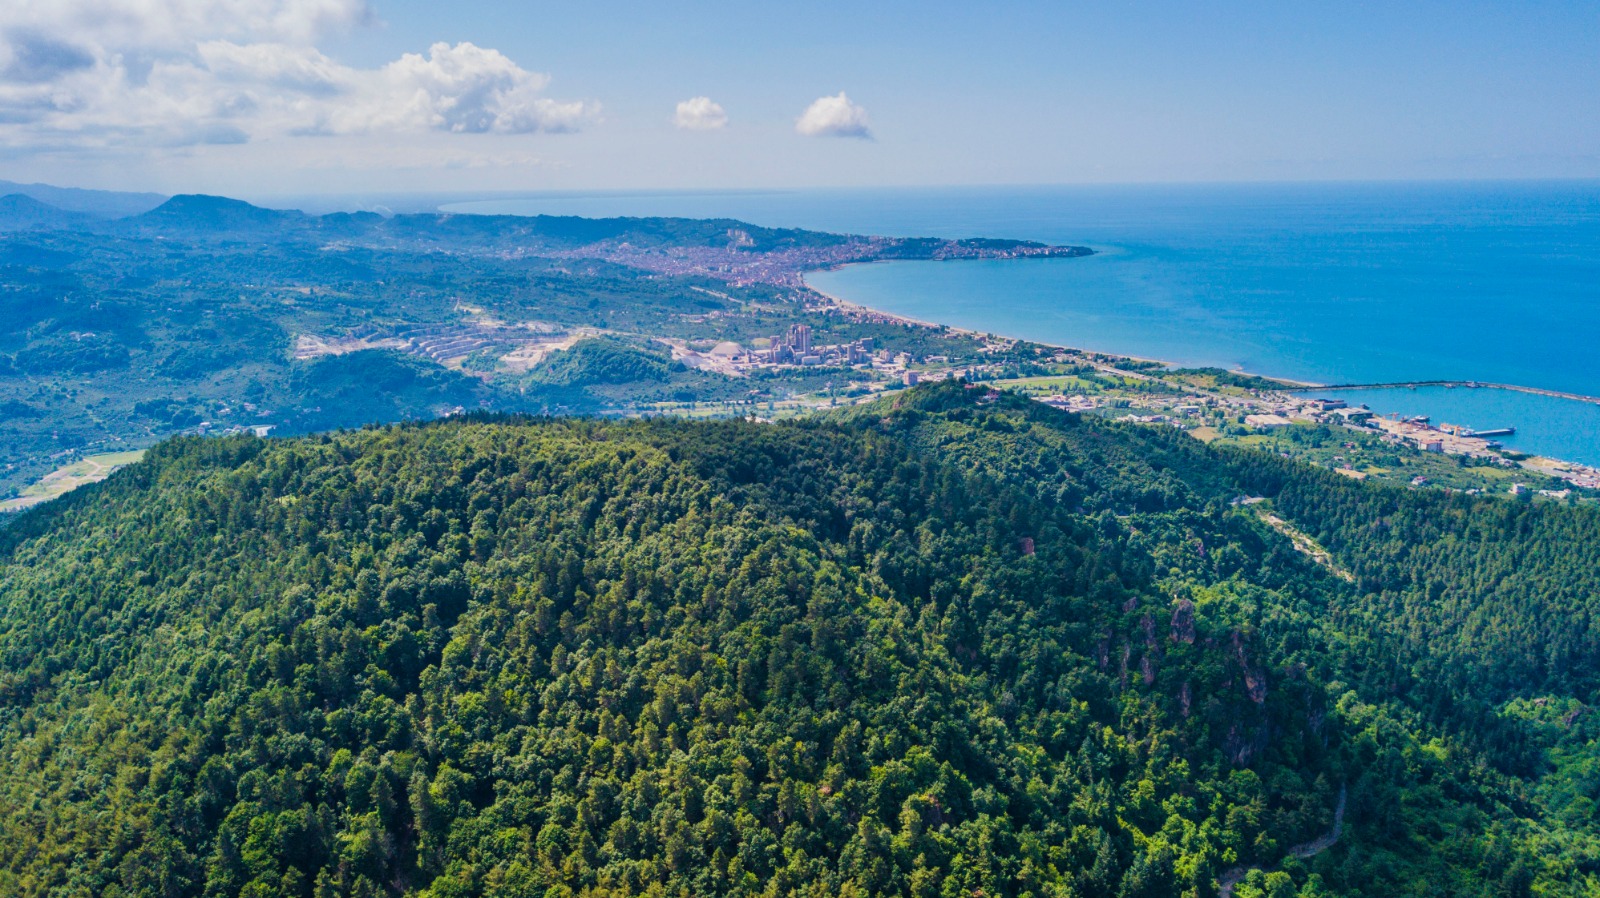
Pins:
x,y
156,27
459,89
700,114
103,73
834,116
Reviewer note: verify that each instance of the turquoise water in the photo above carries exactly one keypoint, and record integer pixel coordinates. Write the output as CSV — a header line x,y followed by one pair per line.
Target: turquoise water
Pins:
x,y
1559,428
1324,283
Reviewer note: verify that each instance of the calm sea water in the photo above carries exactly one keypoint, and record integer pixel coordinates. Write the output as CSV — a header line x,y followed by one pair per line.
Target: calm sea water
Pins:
x,y
1324,283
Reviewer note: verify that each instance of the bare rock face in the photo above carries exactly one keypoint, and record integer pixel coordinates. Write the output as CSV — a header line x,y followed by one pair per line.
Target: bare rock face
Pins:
x,y
1132,603
1243,743
1183,628
1186,699
1152,649
1236,746
1255,686
1255,682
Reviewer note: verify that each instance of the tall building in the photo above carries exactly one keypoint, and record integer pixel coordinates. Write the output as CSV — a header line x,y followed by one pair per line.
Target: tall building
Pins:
x,y
800,338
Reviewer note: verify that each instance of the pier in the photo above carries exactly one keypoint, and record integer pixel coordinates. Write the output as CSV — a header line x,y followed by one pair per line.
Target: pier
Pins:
x,y
1474,384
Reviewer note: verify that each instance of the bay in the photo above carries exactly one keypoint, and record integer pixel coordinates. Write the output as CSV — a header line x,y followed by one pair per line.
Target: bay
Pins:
x,y
1328,283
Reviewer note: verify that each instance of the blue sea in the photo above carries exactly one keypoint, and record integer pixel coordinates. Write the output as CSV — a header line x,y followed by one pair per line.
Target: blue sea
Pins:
x,y
1328,283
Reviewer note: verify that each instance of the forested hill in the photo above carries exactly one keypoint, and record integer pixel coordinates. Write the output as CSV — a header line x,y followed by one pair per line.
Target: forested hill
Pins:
x,y
949,644
216,219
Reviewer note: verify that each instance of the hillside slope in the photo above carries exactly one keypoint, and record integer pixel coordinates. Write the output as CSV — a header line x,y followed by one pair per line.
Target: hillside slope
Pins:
x,y
99,203
115,334
956,646
19,212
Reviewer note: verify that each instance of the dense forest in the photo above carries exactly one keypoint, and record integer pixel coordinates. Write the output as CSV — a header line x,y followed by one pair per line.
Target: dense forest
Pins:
x,y
953,643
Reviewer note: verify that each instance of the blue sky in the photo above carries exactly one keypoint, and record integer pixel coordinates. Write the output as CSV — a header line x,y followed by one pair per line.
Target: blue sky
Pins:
x,y
287,96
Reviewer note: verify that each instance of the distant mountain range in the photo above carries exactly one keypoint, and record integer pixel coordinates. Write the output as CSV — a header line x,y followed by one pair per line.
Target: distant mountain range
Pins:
x,y
215,214
99,203
723,247
19,212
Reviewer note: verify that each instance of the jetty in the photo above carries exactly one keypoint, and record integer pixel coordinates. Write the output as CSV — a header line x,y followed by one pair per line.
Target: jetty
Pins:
x,y
1473,384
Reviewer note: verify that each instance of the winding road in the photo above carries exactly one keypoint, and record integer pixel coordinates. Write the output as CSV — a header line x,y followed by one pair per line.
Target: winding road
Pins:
x,y
1233,875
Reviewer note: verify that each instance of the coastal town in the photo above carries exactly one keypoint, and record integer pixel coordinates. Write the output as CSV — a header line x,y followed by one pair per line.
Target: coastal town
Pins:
x,y
1131,390
1262,412
823,373
703,320
741,261
1149,393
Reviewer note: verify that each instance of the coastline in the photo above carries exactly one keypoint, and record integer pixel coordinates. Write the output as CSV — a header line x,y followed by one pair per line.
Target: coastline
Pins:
x,y
919,322
1543,464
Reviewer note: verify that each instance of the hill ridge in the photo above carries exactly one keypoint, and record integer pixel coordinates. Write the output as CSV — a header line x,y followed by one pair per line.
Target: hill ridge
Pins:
x,y
958,644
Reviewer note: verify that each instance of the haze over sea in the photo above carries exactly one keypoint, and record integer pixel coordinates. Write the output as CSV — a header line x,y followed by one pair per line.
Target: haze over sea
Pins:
x,y
1329,283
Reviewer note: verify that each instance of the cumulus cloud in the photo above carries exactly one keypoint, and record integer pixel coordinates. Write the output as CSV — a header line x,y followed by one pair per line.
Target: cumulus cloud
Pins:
x,y
834,116
187,72
700,114
457,89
